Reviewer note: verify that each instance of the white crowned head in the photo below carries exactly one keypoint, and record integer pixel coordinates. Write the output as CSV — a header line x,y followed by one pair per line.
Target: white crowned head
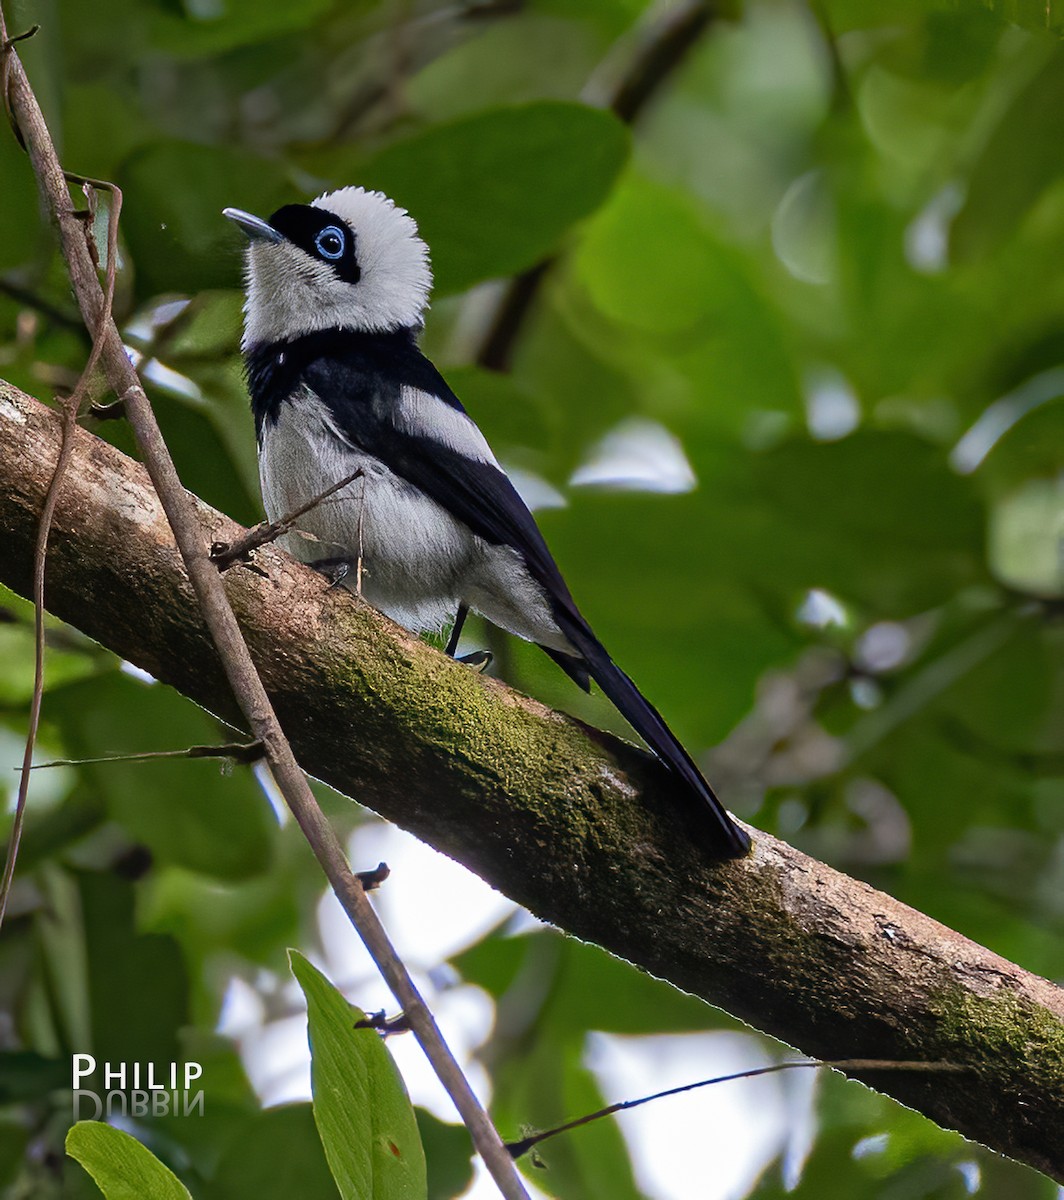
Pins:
x,y
351,259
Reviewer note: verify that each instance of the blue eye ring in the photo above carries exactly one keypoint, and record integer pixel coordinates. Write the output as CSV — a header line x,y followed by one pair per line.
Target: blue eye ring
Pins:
x,y
331,243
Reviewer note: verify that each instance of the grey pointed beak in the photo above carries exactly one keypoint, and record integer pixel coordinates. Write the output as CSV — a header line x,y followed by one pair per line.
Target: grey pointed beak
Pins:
x,y
256,228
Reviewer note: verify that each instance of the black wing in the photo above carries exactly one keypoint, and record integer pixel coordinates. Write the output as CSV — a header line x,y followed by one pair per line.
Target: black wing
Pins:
x,y
483,498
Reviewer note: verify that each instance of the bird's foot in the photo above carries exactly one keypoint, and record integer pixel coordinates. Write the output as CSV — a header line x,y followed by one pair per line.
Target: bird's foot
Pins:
x,y
335,570
478,661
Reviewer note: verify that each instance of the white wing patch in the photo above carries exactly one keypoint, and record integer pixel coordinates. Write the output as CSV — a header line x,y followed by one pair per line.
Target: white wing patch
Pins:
x,y
421,414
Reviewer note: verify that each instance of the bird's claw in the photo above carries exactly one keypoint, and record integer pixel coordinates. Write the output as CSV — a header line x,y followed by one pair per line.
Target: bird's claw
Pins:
x,y
478,661
335,570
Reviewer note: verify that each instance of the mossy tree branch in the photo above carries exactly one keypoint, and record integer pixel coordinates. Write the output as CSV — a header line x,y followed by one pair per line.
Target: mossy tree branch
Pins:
x,y
572,823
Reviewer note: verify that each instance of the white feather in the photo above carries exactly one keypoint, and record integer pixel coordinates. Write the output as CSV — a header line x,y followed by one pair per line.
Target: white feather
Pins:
x,y
289,292
413,553
424,415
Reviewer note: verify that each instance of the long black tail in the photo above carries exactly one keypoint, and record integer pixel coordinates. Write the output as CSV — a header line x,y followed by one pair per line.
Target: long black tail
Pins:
x,y
725,837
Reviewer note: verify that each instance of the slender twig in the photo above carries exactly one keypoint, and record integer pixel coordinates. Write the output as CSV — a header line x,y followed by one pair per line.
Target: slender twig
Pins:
x,y
361,530
7,45
39,557
70,415
233,652
224,554
843,1064
663,48
238,752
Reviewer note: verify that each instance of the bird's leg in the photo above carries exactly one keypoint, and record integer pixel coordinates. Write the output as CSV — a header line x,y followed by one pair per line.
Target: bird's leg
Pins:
x,y
479,660
456,629
335,570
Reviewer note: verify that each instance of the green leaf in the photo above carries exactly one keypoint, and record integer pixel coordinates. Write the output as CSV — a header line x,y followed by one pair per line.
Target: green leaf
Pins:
x,y
194,29
67,655
17,660
276,1153
138,984
657,578
123,1168
648,261
1020,160
676,291
827,504
1010,697
543,1088
21,225
27,1075
447,1155
361,1108
867,1145
533,55
186,811
493,193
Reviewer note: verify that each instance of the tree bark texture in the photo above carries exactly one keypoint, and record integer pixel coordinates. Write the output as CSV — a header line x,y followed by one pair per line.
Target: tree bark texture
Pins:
x,y
576,825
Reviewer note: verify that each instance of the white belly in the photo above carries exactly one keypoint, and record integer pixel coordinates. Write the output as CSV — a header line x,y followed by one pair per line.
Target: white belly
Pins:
x,y
413,554
417,562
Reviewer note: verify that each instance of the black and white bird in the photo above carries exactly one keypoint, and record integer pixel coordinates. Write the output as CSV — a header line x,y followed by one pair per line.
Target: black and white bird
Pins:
x,y
336,295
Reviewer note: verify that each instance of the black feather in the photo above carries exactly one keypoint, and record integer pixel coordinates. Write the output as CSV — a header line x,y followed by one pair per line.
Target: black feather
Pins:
x,y
575,668
350,368
645,719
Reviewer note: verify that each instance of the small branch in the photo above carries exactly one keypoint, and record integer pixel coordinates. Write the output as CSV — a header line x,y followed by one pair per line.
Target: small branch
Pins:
x,y
496,350
115,411
853,1065
236,659
663,49
224,555
427,35
244,753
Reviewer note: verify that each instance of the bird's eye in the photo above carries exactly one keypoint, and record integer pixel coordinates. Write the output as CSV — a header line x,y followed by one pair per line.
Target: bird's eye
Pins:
x,y
330,243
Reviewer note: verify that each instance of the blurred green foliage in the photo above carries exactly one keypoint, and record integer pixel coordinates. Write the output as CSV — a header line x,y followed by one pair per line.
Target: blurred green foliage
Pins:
x,y
822,277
